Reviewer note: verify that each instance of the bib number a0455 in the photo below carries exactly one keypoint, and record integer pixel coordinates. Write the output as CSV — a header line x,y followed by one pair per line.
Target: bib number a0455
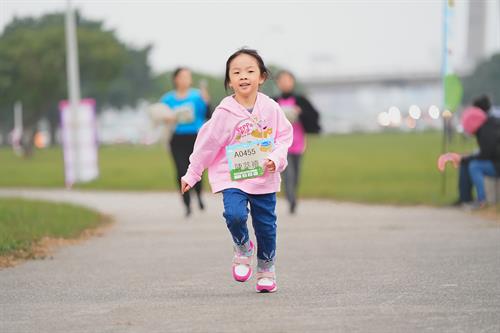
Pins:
x,y
245,159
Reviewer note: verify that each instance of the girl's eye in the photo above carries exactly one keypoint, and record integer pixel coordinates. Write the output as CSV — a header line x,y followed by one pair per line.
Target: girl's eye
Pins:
x,y
236,73
251,71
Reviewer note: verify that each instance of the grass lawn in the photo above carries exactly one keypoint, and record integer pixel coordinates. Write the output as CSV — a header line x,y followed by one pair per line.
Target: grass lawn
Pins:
x,y
380,168
25,222
389,167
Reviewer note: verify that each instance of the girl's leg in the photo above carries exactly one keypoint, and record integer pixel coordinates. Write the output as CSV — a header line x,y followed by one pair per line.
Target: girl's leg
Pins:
x,y
291,175
288,179
236,215
296,159
190,140
178,148
478,169
198,188
262,209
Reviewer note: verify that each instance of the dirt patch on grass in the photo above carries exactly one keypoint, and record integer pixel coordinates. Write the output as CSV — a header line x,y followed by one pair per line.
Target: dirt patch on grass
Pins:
x,y
47,246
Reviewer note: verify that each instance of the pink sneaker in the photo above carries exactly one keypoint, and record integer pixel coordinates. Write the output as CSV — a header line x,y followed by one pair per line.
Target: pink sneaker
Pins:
x,y
242,265
266,282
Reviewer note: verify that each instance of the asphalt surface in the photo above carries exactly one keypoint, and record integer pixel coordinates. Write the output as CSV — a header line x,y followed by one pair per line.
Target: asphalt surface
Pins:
x,y
341,267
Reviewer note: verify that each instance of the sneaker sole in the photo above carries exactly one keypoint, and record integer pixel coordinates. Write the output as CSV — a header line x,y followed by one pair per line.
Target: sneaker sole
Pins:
x,y
267,291
249,277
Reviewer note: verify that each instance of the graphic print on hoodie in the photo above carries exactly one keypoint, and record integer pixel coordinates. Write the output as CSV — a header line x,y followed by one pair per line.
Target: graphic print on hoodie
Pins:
x,y
252,129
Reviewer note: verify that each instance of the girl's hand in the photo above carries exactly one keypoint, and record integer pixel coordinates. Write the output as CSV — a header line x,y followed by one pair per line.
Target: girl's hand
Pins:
x,y
204,91
205,95
184,187
170,119
269,165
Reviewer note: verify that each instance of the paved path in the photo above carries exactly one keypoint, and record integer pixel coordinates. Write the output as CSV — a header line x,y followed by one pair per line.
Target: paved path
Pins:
x,y
342,268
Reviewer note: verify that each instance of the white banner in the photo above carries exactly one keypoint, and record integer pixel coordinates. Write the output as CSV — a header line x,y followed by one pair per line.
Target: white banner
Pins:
x,y
79,137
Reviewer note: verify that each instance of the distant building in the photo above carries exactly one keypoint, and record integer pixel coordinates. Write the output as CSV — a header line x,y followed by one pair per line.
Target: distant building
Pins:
x,y
355,103
363,103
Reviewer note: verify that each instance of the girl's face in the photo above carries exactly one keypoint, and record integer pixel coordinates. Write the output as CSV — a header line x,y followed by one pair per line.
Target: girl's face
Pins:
x,y
244,75
285,83
183,80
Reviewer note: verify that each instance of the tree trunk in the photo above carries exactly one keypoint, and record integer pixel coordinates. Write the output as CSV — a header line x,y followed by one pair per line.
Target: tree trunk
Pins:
x,y
54,124
28,140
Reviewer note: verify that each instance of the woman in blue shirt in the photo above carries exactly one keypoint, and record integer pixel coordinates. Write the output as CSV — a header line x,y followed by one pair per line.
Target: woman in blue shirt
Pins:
x,y
191,109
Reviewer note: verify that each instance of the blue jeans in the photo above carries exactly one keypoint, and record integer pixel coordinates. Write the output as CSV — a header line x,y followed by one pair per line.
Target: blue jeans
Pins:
x,y
477,170
262,210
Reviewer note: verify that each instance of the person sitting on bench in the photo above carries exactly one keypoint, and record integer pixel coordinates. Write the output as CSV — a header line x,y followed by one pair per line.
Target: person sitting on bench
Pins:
x,y
486,162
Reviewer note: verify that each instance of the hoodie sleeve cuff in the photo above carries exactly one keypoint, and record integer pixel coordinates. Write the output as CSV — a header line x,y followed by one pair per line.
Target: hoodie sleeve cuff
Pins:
x,y
276,162
190,180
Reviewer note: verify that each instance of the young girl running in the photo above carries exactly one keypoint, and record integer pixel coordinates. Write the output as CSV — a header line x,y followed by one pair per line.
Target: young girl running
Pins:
x,y
244,146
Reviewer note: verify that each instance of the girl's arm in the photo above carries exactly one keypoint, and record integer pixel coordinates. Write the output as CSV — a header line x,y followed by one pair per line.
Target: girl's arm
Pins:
x,y
210,139
282,141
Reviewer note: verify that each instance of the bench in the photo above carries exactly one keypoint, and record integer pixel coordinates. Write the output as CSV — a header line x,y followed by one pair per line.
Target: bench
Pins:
x,y
492,189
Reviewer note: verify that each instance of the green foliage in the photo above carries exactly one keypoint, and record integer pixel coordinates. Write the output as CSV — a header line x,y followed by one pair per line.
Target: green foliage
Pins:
x,y
33,66
24,222
484,80
134,82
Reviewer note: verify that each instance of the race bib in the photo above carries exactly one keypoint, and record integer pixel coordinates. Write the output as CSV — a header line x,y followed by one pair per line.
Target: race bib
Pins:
x,y
184,114
245,159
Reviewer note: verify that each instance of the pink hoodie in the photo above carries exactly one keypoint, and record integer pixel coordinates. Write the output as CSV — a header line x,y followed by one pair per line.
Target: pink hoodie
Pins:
x,y
230,124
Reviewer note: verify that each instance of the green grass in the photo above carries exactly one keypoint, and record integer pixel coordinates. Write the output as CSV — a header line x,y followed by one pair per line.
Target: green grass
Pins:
x,y
121,168
382,168
25,222
395,168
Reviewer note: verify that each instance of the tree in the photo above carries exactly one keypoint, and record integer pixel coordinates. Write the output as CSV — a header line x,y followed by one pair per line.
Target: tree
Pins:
x,y
133,83
484,80
33,67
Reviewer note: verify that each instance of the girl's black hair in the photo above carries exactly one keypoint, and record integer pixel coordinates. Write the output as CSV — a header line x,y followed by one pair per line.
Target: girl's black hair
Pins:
x,y
253,53
176,72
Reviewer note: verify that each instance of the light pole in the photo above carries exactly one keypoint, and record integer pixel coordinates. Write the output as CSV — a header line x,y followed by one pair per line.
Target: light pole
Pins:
x,y
73,77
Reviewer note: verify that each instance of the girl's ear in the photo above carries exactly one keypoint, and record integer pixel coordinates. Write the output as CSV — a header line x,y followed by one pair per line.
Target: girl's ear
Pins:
x,y
263,79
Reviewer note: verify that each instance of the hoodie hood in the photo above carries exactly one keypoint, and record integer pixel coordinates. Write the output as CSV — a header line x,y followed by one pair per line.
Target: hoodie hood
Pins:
x,y
472,119
230,104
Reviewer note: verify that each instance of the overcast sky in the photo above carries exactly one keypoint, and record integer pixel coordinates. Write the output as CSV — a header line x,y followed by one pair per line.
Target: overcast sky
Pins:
x,y
312,38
